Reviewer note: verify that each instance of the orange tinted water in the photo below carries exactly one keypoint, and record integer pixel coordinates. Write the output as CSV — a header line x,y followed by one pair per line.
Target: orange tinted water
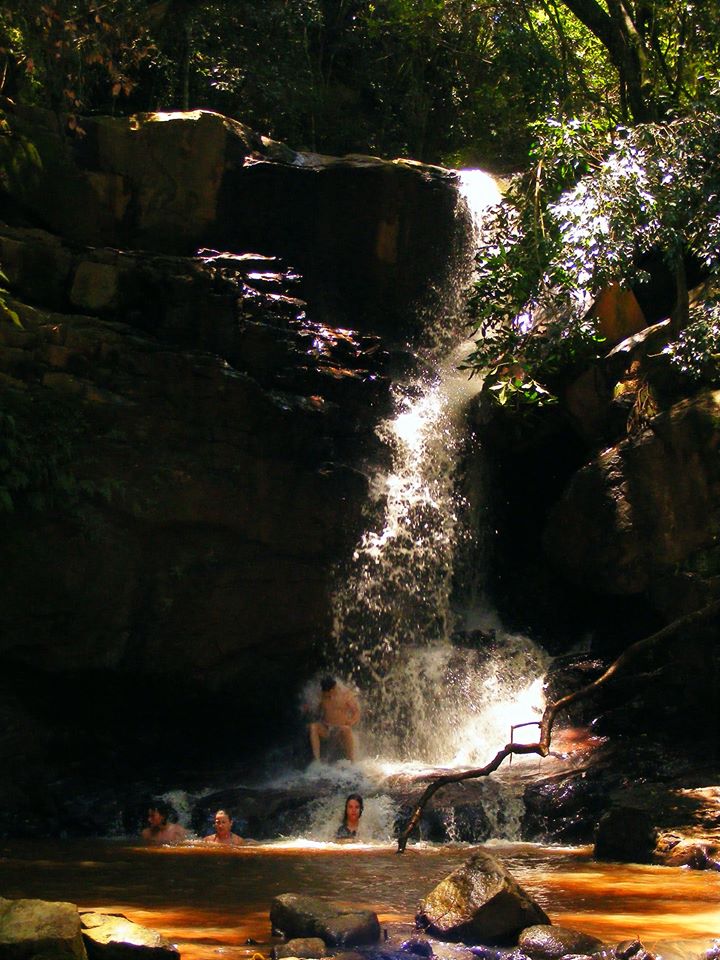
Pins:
x,y
209,902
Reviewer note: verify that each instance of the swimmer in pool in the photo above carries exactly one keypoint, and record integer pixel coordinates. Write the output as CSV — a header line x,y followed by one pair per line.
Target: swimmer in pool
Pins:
x,y
351,818
223,831
160,829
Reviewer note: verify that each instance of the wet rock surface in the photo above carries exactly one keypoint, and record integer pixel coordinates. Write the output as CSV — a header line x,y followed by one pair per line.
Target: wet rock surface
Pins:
x,y
110,937
300,916
548,942
480,902
31,928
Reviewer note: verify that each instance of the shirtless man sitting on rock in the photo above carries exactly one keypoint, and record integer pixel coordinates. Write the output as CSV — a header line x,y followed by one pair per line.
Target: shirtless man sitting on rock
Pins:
x,y
339,711
159,830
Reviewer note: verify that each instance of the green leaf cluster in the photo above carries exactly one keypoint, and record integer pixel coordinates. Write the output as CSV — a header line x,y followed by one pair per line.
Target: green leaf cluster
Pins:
x,y
594,205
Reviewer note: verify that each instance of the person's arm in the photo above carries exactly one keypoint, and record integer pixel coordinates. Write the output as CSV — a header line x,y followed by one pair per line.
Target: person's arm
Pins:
x,y
353,709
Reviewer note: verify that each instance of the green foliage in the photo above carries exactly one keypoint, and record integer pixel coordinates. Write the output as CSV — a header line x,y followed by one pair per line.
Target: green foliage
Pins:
x,y
6,311
696,352
72,54
548,252
40,438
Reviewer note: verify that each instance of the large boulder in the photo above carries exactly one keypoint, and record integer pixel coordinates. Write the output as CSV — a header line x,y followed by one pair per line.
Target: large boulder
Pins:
x,y
183,456
37,928
300,916
643,506
480,902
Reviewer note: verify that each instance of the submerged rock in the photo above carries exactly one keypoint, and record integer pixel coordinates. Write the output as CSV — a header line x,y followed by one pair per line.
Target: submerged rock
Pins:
x,y
549,942
298,916
34,928
300,947
480,902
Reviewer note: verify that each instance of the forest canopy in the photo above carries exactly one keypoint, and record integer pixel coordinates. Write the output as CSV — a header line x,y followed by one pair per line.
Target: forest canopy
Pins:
x,y
453,81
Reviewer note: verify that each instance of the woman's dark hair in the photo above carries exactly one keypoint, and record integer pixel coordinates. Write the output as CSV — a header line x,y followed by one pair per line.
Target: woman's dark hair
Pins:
x,y
166,811
353,796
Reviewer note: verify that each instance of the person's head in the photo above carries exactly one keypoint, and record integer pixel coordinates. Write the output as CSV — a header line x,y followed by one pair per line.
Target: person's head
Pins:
x,y
353,807
159,813
223,823
328,683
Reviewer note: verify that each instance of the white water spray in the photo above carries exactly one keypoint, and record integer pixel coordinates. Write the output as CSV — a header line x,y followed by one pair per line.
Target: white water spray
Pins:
x,y
427,700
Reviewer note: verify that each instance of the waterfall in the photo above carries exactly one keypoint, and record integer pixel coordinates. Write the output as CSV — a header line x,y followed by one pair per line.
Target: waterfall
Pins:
x,y
428,699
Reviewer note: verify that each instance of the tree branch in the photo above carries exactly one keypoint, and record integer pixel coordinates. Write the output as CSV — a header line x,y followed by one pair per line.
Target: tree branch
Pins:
x,y
542,747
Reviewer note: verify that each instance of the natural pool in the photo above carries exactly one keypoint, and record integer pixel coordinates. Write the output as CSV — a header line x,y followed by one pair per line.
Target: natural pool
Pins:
x,y
210,902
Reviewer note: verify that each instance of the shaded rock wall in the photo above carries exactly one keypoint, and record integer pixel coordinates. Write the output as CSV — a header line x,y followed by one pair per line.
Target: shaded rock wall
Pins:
x,y
373,239
188,418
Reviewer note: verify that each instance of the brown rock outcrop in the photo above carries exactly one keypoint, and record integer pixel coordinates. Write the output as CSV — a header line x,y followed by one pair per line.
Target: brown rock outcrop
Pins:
x,y
188,410
644,505
373,238
480,902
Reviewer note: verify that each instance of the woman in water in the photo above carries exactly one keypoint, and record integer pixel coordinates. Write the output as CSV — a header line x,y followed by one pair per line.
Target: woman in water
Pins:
x,y
223,831
351,819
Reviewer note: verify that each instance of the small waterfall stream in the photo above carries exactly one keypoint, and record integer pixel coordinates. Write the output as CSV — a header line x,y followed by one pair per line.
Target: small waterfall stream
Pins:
x,y
428,699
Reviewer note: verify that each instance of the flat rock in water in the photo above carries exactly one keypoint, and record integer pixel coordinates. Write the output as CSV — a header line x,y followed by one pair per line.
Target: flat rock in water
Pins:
x,y
110,937
480,902
299,916
32,928
547,942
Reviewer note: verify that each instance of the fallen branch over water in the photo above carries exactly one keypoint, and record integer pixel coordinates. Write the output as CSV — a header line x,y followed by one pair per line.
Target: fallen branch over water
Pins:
x,y
542,747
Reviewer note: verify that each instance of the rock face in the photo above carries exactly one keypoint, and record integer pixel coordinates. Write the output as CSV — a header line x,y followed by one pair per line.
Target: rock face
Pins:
x,y
208,326
371,237
32,928
299,916
480,902
642,506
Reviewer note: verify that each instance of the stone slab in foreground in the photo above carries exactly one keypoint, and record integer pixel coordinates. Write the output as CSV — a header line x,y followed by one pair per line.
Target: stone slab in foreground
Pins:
x,y
37,928
109,937
298,916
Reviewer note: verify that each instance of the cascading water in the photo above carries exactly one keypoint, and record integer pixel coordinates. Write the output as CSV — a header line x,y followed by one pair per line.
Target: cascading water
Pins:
x,y
427,700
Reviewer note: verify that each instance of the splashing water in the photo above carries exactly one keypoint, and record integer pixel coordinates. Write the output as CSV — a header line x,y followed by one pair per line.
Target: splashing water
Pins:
x,y
425,699
377,824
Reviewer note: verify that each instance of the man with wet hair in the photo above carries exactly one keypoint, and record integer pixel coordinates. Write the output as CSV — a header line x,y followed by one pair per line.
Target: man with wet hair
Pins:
x,y
160,829
339,711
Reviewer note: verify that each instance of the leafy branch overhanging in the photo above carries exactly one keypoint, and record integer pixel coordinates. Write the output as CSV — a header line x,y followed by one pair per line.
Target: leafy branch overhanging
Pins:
x,y
542,746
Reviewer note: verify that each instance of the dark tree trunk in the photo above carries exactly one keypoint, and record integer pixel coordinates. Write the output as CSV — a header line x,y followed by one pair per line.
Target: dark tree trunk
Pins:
x,y
619,34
